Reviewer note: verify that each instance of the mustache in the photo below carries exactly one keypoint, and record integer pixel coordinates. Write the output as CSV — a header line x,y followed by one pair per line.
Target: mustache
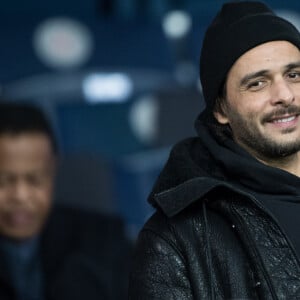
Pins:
x,y
279,112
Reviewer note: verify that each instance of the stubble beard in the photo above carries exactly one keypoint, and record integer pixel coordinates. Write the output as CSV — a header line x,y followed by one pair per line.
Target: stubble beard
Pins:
x,y
247,134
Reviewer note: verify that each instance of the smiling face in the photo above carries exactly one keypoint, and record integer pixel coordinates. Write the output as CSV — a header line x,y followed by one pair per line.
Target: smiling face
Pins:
x,y
26,183
262,104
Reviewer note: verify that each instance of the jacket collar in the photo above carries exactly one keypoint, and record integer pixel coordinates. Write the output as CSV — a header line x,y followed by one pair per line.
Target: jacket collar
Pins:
x,y
176,199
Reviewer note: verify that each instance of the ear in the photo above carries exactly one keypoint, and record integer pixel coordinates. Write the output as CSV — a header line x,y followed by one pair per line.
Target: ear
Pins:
x,y
221,117
220,111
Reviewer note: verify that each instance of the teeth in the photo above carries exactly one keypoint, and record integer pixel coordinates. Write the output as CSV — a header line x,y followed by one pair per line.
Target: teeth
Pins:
x,y
289,119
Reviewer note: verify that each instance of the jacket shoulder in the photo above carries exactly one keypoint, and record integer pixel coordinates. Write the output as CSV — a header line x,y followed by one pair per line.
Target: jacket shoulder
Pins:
x,y
155,259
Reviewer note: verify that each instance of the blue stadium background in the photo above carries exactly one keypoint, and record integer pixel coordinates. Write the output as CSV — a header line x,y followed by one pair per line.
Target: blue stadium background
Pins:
x,y
108,163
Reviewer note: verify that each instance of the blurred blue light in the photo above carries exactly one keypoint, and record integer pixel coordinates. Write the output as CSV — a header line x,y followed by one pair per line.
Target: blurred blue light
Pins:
x,y
103,87
177,24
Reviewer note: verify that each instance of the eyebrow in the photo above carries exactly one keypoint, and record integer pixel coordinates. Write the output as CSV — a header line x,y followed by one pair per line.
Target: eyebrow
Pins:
x,y
292,66
253,75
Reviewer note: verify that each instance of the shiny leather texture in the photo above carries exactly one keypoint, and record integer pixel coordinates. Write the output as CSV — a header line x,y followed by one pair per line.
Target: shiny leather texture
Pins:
x,y
222,246
209,239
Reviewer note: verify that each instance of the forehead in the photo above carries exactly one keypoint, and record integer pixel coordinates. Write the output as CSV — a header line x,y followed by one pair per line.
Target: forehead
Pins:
x,y
27,148
268,56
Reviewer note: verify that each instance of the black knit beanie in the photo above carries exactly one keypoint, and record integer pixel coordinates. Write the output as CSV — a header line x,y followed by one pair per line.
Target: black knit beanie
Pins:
x,y
237,28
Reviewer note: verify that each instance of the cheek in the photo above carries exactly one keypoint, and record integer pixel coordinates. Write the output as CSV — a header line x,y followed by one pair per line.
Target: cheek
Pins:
x,y
42,200
5,199
246,102
249,111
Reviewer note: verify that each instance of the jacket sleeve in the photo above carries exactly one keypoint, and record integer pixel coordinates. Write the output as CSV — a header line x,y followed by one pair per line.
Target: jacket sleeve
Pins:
x,y
158,271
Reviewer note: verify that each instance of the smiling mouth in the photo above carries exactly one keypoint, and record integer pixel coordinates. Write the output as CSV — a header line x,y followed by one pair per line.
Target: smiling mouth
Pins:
x,y
287,122
283,116
19,219
284,120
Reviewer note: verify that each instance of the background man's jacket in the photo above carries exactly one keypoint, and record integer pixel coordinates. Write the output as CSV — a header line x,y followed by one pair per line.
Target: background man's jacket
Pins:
x,y
84,256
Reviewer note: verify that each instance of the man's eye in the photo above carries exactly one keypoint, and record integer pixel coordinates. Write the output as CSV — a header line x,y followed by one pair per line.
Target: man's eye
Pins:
x,y
35,180
294,75
38,180
5,180
255,85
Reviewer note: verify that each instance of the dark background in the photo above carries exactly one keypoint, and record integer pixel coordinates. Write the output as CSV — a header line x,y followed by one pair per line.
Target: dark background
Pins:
x,y
106,162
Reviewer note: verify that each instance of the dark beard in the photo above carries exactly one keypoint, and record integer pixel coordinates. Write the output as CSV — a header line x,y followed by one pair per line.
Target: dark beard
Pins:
x,y
268,148
261,145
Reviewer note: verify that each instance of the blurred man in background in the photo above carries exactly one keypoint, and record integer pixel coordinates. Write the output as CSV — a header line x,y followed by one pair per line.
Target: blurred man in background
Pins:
x,y
47,251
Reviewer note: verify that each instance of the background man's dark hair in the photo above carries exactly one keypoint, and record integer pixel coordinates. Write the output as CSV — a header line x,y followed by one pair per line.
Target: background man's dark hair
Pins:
x,y
18,118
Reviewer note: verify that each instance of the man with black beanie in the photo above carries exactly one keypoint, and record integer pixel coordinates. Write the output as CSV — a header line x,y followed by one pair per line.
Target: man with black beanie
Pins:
x,y
228,201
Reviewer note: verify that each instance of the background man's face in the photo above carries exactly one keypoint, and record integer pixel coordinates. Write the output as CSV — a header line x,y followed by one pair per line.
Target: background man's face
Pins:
x,y
26,183
262,104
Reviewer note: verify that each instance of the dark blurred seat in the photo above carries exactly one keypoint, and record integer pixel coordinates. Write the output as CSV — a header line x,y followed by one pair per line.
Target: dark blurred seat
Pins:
x,y
85,181
134,176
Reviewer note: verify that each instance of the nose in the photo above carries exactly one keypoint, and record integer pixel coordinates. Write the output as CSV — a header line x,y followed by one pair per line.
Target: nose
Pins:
x,y
282,93
21,192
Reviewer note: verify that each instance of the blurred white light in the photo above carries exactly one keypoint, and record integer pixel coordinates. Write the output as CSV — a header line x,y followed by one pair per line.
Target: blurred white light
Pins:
x,y
143,118
63,43
177,24
114,87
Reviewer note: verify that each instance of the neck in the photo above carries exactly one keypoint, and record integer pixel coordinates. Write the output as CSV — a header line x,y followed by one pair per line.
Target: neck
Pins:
x,y
289,163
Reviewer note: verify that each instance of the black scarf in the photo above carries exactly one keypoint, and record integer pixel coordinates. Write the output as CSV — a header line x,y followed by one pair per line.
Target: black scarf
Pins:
x,y
276,189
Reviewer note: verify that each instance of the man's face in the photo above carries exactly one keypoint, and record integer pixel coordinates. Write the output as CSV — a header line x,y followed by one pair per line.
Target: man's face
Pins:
x,y
26,183
262,104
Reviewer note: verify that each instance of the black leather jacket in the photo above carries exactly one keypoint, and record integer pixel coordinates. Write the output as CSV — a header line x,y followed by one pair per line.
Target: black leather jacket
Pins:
x,y
209,239
222,246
